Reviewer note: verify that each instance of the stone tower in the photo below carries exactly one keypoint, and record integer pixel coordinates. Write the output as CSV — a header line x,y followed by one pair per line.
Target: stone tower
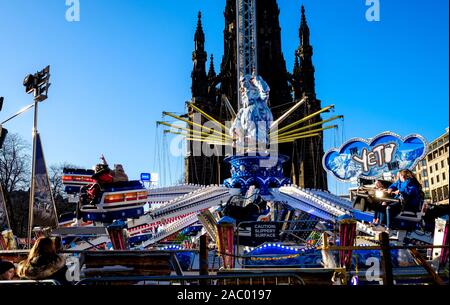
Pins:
x,y
208,90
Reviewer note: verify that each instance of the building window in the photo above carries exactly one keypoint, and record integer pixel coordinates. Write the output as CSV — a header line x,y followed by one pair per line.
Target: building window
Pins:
x,y
433,196
442,164
431,169
437,179
445,189
443,176
424,163
440,194
432,181
436,166
426,184
424,173
430,157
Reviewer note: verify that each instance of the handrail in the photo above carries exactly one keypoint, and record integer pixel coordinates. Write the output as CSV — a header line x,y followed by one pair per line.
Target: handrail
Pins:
x,y
345,248
147,251
37,282
187,278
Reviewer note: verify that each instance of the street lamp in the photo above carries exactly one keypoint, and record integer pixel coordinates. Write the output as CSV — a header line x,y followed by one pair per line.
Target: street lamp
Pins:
x,y
3,131
37,84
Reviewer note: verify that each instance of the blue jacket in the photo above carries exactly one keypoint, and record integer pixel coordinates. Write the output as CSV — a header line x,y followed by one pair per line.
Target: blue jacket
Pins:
x,y
410,193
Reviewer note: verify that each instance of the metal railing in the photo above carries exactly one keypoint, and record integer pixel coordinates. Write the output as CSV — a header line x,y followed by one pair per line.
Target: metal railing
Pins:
x,y
285,229
30,282
220,279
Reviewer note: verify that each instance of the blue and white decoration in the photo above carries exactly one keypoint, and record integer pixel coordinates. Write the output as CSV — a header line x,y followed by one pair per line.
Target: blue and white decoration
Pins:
x,y
250,170
276,254
387,152
252,124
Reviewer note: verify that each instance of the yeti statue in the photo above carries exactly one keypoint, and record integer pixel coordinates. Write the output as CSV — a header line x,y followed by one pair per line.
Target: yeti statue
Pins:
x,y
252,124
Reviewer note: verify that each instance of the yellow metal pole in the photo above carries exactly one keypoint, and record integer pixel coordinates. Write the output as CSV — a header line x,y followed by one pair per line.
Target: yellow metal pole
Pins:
x,y
194,124
310,126
306,132
196,139
207,116
305,118
187,129
194,136
288,140
298,137
288,113
209,142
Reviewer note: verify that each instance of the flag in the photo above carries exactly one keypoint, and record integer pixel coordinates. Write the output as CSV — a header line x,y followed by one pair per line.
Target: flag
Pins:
x,y
4,219
44,209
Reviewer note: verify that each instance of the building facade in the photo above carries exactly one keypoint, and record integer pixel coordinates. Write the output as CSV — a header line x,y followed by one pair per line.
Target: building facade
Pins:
x,y
433,170
210,89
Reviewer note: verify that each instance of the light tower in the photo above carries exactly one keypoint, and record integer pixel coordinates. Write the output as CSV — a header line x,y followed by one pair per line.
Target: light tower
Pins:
x,y
247,60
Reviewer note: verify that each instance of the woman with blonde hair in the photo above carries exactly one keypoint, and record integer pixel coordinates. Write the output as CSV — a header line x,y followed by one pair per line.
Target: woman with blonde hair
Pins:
x,y
43,263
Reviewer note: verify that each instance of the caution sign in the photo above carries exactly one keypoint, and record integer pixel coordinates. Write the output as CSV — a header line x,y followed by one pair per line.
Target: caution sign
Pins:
x,y
265,231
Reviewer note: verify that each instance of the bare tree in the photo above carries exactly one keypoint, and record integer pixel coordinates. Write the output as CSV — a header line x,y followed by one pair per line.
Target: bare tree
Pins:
x,y
15,164
55,173
15,174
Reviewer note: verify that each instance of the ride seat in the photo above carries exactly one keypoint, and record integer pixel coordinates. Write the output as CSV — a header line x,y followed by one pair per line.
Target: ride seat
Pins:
x,y
409,216
122,186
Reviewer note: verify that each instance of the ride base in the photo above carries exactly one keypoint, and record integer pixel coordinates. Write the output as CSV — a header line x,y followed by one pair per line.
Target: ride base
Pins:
x,y
263,172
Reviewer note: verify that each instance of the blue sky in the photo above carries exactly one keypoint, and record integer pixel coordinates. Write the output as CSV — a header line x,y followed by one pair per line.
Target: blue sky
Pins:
x,y
125,62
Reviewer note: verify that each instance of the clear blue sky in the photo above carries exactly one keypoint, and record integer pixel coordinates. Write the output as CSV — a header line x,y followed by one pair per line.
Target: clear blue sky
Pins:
x,y
125,62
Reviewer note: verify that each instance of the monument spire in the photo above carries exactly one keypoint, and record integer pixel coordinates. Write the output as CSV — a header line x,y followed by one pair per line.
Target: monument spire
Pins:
x,y
199,57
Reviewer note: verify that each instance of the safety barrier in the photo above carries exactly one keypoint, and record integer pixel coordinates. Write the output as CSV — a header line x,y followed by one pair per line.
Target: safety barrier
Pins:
x,y
30,282
219,279
299,230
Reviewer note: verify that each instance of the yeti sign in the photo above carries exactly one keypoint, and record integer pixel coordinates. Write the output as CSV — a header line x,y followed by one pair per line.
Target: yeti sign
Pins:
x,y
370,159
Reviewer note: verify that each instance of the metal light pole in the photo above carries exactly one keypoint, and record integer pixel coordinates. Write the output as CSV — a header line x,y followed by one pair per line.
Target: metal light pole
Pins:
x,y
37,84
31,201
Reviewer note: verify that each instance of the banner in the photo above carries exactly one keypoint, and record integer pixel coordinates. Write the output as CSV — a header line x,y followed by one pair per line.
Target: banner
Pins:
x,y
44,209
4,219
370,159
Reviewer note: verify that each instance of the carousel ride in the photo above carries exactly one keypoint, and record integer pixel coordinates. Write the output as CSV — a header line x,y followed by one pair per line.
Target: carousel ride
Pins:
x,y
256,191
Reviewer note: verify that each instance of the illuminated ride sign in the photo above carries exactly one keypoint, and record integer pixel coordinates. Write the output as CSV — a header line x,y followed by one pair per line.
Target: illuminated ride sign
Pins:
x,y
370,159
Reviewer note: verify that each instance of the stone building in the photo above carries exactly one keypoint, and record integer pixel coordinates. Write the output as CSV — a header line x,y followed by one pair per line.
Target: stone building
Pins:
x,y
209,89
433,170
